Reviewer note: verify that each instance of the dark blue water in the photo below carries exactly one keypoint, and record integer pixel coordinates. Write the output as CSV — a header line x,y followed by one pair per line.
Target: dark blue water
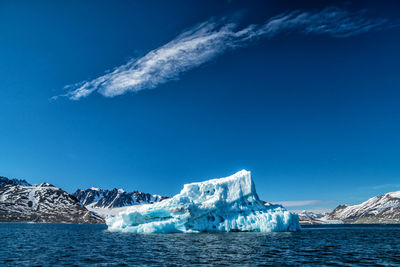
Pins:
x,y
81,245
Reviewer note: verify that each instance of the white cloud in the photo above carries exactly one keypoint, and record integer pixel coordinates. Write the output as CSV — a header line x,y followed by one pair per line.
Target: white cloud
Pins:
x,y
298,203
382,186
315,210
205,41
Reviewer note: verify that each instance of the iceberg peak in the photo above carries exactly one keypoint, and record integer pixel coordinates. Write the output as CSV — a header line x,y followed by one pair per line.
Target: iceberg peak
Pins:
x,y
228,189
217,205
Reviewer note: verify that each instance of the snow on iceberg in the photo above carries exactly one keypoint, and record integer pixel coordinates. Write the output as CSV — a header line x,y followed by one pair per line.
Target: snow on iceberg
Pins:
x,y
228,204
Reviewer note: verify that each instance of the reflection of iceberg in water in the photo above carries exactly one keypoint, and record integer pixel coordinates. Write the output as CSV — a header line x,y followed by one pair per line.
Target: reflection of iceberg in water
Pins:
x,y
219,205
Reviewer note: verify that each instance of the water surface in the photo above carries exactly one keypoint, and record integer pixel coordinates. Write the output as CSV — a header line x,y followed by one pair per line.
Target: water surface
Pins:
x,y
25,244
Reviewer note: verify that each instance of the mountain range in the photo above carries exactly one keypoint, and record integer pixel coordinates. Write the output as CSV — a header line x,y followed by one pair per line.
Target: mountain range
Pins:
x,y
310,217
115,198
22,202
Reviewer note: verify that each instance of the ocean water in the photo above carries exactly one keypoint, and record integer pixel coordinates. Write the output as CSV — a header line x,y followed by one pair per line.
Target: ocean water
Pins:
x,y
25,244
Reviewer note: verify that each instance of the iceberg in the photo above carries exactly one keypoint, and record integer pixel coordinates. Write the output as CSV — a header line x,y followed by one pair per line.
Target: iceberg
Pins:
x,y
228,204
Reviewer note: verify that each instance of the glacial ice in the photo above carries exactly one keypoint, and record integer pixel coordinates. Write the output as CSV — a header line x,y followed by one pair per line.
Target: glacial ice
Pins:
x,y
228,204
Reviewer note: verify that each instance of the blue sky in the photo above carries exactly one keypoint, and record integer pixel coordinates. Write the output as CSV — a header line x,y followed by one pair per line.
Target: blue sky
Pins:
x,y
152,95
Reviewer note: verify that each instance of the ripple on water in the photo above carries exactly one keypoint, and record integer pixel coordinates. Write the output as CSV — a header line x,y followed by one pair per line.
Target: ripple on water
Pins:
x,y
69,244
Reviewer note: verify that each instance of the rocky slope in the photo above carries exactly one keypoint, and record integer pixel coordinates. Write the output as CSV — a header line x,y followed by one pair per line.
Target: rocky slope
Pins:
x,y
309,217
42,203
380,209
99,198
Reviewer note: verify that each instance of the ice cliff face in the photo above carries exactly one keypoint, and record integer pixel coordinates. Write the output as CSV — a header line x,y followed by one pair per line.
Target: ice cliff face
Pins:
x,y
218,205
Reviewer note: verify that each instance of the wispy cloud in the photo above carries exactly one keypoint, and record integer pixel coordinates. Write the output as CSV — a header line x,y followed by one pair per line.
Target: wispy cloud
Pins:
x,y
382,186
207,40
298,203
315,210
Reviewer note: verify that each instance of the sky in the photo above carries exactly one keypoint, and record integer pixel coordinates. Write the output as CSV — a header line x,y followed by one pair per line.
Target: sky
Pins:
x,y
150,95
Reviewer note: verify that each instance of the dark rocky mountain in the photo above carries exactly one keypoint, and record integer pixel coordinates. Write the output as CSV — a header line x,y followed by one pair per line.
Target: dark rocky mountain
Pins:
x,y
5,181
41,203
380,209
99,198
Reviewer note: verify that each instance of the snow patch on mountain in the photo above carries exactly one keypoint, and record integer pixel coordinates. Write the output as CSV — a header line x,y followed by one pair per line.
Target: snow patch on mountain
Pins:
x,y
395,194
218,205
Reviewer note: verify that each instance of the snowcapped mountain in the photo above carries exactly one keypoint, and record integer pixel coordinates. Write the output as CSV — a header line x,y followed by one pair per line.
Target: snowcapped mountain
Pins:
x,y
309,217
311,214
42,203
99,198
5,181
380,209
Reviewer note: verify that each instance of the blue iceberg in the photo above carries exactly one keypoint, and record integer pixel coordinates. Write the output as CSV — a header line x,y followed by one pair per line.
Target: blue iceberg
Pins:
x,y
228,204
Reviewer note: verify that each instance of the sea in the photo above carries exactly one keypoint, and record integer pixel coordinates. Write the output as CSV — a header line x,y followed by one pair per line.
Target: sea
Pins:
x,y
43,244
